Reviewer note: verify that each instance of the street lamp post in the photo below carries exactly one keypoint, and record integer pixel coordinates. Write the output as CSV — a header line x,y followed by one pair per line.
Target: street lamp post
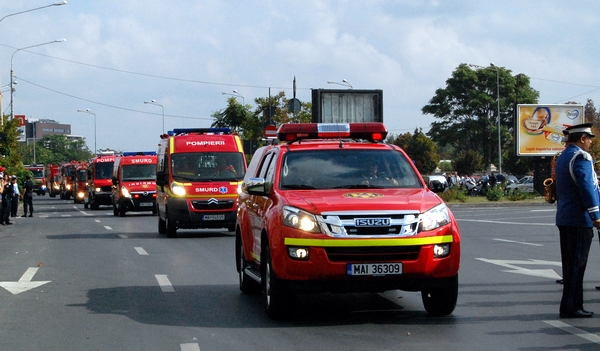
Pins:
x,y
37,8
235,93
91,113
153,102
492,66
344,83
12,82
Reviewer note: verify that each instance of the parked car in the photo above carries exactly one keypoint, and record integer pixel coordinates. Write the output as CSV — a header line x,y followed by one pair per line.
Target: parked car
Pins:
x,y
524,185
437,183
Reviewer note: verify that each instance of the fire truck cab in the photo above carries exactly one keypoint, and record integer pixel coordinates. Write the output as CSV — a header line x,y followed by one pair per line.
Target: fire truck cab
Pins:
x,y
66,176
336,209
99,181
80,183
134,183
39,178
199,172
53,180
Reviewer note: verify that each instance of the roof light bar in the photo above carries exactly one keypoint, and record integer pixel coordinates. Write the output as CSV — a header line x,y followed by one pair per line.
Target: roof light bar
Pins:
x,y
373,131
139,153
200,131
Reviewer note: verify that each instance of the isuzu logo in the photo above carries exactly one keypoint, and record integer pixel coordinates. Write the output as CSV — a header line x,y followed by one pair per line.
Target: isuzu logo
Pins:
x,y
372,222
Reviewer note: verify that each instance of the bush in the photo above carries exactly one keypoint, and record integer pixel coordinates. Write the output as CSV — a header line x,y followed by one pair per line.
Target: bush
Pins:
x,y
495,193
518,195
454,194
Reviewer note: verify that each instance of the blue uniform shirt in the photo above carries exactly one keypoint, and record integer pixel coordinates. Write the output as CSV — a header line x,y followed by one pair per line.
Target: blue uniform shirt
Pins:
x,y
576,188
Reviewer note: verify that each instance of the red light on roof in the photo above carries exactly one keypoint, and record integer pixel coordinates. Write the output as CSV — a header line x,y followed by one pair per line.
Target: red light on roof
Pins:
x,y
373,131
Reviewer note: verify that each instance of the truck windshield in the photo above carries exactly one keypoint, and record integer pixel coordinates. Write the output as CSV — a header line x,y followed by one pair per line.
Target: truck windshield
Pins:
x,y
139,172
347,169
104,170
208,166
37,173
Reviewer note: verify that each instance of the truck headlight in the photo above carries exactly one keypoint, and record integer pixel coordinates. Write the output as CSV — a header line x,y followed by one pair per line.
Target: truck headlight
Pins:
x,y
177,189
125,192
299,219
434,218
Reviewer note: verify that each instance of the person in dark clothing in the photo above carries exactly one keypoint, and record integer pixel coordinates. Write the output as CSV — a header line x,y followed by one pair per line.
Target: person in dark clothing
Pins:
x,y
28,197
7,194
577,214
15,199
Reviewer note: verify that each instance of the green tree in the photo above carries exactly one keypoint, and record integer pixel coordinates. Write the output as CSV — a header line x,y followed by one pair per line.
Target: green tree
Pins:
x,y
10,155
468,162
421,149
467,109
55,149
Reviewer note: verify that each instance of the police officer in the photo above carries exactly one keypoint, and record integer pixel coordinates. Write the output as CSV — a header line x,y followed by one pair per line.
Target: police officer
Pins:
x,y
577,214
7,194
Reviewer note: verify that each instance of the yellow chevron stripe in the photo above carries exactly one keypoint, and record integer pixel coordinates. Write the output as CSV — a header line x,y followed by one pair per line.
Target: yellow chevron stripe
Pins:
x,y
430,240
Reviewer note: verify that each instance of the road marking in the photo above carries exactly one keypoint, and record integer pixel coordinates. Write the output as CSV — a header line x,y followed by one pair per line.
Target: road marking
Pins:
x,y
141,251
518,242
123,236
107,227
575,331
503,222
24,283
164,283
97,221
189,347
544,273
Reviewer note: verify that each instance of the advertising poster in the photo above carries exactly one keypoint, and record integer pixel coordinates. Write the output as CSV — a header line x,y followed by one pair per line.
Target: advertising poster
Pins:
x,y
21,129
539,127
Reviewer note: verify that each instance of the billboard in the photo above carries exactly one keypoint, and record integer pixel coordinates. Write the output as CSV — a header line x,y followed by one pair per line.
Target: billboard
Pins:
x,y
22,135
539,127
345,106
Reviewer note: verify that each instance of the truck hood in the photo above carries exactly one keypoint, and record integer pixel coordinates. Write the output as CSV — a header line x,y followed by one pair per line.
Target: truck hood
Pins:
x,y
319,201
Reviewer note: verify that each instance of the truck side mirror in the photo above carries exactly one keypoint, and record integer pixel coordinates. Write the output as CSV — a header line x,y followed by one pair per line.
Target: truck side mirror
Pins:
x,y
161,178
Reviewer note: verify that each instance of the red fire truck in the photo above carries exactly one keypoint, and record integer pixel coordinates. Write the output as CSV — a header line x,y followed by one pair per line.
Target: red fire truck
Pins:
x,y
336,209
80,183
99,181
39,178
53,180
134,183
198,176
66,176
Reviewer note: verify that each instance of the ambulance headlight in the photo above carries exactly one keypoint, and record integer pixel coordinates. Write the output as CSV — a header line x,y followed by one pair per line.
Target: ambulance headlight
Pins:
x,y
177,189
125,192
68,186
97,190
434,218
298,219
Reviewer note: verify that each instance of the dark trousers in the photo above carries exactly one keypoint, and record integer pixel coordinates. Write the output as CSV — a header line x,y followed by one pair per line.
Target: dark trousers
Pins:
x,y
14,206
575,243
6,208
28,203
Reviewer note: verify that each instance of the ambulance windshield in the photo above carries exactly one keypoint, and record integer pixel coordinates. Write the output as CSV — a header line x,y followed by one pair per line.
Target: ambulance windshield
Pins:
x,y
347,169
208,166
139,172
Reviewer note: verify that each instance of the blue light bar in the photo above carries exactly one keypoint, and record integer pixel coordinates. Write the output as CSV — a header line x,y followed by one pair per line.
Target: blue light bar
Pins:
x,y
139,153
200,130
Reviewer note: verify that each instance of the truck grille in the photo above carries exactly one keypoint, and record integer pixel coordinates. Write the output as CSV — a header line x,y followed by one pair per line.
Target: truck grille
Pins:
x,y
213,204
372,224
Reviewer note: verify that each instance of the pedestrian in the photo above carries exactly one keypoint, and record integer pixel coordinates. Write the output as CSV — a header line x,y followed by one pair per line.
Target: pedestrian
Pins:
x,y
7,194
577,214
15,199
27,197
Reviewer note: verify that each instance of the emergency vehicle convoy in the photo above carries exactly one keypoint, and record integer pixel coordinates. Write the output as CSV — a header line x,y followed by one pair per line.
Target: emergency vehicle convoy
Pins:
x,y
39,178
134,183
53,180
198,175
80,182
99,181
336,209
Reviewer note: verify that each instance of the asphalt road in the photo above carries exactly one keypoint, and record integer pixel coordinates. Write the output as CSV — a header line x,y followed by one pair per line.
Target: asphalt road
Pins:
x,y
75,279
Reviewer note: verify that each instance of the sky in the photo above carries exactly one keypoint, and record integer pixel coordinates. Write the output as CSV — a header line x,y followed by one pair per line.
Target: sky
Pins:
x,y
185,54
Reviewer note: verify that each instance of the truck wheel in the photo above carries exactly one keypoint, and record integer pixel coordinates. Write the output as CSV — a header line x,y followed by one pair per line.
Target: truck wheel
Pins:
x,y
247,284
171,228
279,302
441,301
162,226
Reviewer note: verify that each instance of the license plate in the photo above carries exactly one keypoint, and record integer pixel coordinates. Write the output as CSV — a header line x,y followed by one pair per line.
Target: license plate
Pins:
x,y
145,204
374,269
213,217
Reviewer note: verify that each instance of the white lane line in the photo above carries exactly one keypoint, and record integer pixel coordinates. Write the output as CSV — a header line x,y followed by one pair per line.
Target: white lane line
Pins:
x,y
502,222
164,283
189,347
123,236
107,227
518,242
141,251
575,331
97,221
